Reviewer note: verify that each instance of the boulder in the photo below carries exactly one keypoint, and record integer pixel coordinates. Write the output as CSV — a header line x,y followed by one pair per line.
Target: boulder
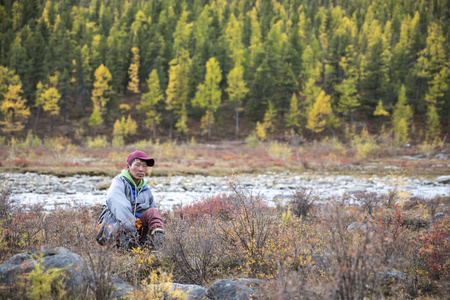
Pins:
x,y
443,179
233,289
195,292
122,290
77,274
440,216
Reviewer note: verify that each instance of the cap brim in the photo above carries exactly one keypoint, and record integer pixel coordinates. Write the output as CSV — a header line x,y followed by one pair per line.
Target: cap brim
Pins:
x,y
150,162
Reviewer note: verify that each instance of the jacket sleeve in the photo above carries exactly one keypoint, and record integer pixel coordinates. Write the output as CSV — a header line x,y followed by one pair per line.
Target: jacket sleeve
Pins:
x,y
119,204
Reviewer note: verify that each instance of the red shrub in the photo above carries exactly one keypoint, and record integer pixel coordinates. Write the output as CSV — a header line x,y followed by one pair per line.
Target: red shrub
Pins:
x,y
435,251
71,164
21,162
217,206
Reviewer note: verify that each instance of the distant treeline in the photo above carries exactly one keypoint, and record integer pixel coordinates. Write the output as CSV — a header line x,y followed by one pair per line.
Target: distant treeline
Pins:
x,y
301,65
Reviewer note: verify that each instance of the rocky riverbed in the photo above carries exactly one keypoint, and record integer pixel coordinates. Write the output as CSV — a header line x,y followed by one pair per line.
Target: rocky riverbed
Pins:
x,y
173,190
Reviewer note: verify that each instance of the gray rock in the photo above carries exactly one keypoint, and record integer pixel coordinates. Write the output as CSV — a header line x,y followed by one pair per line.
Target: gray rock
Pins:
x,y
77,274
233,289
342,179
441,156
321,262
440,216
443,179
355,226
195,292
121,289
385,277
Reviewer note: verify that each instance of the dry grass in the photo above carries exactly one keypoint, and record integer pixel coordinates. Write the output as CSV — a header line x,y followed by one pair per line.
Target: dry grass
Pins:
x,y
61,158
311,257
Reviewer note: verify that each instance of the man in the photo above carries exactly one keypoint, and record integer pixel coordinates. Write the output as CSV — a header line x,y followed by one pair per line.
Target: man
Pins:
x,y
130,213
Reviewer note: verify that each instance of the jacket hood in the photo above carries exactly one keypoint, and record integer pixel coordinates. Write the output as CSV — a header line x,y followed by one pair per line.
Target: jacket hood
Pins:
x,y
127,175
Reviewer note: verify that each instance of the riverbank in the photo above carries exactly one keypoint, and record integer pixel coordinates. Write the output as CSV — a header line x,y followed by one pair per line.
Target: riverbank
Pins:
x,y
228,158
274,188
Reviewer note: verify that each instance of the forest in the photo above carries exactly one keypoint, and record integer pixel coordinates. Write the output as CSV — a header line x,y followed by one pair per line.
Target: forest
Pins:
x,y
190,68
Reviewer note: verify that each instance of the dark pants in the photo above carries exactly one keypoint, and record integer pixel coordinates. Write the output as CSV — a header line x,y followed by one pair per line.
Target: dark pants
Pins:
x,y
151,220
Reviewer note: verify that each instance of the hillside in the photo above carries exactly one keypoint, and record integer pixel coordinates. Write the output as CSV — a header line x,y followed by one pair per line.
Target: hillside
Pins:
x,y
311,69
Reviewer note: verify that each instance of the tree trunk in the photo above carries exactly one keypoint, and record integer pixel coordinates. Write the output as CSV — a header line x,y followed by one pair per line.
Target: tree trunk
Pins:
x,y
154,130
83,100
37,119
64,108
209,124
171,124
51,126
237,118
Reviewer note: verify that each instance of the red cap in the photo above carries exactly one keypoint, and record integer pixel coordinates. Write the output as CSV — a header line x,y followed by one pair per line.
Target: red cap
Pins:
x,y
142,156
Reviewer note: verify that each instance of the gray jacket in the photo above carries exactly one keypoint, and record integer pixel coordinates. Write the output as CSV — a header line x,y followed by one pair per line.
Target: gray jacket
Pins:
x,y
120,200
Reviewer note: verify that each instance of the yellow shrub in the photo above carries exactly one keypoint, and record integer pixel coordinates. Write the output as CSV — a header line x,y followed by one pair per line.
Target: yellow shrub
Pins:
x,y
45,284
364,144
252,141
279,151
118,141
158,286
97,143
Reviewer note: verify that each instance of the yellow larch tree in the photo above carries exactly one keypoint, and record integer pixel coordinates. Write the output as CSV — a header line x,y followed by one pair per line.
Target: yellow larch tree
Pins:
x,y
101,92
14,109
133,72
319,114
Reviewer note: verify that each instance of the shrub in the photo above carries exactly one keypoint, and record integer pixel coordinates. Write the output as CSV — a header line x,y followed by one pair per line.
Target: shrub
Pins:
x,y
118,141
252,141
248,234
23,228
31,141
370,201
158,286
21,162
100,264
3,141
364,144
194,247
279,151
7,205
143,144
434,250
97,143
220,206
302,202
45,284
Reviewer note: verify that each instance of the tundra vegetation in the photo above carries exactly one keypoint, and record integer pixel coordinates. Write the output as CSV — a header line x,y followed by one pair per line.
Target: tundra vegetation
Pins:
x,y
345,87
302,249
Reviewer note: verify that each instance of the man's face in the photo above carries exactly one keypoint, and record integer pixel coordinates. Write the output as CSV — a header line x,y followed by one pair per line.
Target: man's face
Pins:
x,y
137,170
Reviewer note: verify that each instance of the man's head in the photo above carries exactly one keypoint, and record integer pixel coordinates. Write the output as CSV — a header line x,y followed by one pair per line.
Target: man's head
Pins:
x,y
141,156
137,164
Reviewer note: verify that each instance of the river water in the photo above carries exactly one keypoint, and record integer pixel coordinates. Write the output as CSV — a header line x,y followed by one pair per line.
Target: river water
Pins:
x,y
175,190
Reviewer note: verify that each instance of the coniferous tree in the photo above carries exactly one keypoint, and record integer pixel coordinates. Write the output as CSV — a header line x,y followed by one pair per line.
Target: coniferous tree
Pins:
x,y
38,103
433,126
177,89
347,89
14,109
83,75
401,118
382,113
50,98
237,89
320,113
209,94
101,93
293,116
269,117
133,72
150,100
